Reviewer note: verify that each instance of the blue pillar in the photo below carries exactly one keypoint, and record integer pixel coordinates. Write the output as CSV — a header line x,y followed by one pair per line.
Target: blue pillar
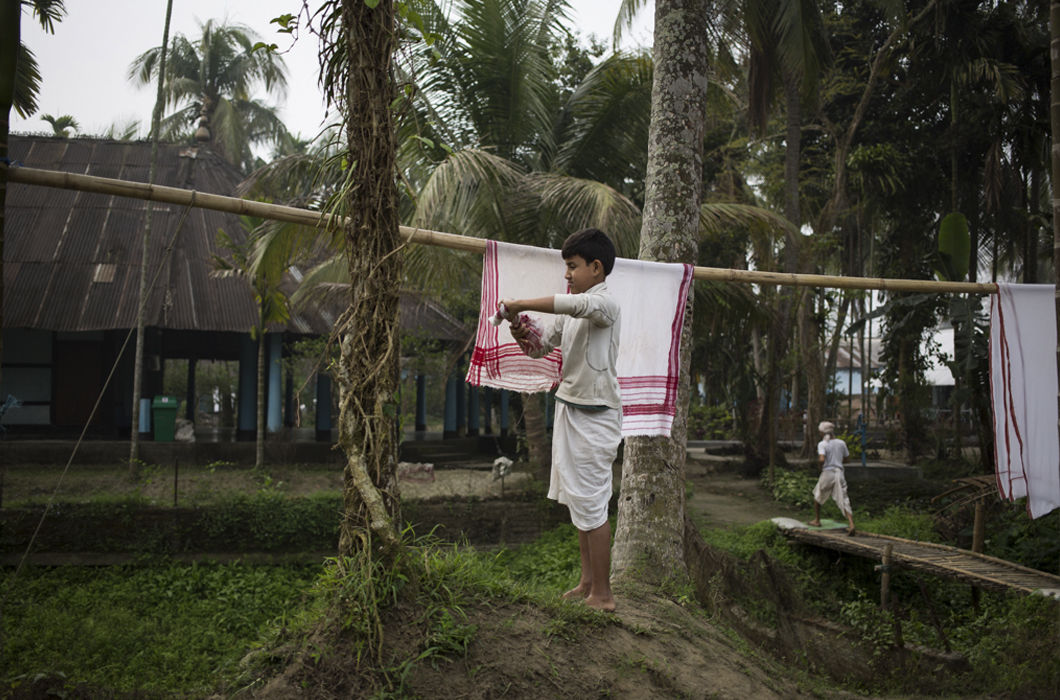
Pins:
x,y
451,391
504,413
274,392
247,423
323,422
461,404
191,401
487,426
289,409
421,405
472,410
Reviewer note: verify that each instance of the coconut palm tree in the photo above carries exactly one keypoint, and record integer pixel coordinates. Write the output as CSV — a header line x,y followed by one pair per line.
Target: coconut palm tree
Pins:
x,y
19,85
62,125
212,79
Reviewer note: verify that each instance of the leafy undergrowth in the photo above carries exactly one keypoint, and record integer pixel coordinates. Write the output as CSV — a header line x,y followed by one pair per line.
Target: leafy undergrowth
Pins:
x,y
442,622
1008,641
156,628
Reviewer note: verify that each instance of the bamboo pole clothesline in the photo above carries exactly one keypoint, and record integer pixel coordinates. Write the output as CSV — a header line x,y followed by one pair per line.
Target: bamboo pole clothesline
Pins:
x,y
306,217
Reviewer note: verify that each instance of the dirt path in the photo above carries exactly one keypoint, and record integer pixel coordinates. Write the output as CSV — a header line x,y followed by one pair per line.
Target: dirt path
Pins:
x,y
722,498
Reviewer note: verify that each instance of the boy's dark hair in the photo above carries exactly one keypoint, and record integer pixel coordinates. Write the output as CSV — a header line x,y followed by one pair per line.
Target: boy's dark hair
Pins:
x,y
591,244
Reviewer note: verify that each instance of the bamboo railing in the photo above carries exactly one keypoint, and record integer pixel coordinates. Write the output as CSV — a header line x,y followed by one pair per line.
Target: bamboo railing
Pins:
x,y
306,217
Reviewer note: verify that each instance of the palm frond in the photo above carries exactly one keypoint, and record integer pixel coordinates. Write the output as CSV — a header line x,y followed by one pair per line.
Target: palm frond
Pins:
x,y
717,216
571,204
27,82
604,124
468,194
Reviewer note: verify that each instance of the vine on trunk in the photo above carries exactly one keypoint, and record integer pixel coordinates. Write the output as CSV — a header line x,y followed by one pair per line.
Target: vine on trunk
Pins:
x,y
357,75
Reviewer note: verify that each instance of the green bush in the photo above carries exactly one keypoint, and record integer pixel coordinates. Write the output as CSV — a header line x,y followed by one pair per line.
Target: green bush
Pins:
x,y
793,487
268,521
853,443
709,423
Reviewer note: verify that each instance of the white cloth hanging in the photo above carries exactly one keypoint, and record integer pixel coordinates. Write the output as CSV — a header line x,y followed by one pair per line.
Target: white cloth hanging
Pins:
x,y
1023,392
652,298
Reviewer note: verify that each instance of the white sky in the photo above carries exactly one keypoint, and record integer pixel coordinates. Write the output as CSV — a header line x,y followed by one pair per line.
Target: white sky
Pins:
x,y
85,63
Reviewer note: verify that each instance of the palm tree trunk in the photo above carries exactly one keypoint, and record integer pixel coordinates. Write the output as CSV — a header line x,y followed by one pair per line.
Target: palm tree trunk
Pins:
x,y
1054,123
785,300
138,358
648,538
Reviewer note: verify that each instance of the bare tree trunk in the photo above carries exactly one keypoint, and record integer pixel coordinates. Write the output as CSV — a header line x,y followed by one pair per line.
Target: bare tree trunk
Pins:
x,y
1054,123
785,300
648,538
10,33
138,357
537,442
259,435
813,365
368,342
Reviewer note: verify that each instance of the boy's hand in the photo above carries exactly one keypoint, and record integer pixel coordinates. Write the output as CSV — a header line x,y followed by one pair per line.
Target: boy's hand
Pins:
x,y
514,306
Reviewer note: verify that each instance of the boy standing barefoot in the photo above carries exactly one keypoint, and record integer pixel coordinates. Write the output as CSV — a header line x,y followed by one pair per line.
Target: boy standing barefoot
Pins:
x,y
588,423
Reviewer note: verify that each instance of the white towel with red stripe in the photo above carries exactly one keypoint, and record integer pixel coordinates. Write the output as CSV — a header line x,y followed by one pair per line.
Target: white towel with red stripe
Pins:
x,y
1023,388
652,298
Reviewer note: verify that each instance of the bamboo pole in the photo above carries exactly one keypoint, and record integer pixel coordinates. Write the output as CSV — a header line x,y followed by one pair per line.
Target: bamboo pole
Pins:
x,y
306,217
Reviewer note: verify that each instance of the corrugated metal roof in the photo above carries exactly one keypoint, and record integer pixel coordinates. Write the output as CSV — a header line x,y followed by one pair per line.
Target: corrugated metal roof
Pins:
x,y
57,240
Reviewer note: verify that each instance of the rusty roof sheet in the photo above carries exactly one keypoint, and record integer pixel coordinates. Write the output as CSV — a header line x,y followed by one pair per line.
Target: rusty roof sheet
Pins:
x,y
72,259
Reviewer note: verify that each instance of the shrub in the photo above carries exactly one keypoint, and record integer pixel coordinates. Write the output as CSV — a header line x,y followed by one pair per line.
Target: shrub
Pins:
x,y
709,423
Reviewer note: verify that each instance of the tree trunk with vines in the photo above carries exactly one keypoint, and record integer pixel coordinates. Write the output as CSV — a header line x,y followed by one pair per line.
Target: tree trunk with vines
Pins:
x,y
367,332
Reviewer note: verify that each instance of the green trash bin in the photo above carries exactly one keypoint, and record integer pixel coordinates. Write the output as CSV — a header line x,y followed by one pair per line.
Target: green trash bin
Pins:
x,y
164,417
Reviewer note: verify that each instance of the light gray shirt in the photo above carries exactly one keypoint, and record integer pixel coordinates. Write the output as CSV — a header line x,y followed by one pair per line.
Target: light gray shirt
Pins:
x,y
834,451
586,330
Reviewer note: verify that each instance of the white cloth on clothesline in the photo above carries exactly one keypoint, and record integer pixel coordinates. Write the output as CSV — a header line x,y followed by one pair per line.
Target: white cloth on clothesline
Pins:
x,y
652,298
1023,392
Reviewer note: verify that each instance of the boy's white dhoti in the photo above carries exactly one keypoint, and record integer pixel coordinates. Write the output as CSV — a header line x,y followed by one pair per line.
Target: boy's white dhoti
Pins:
x,y
584,447
832,483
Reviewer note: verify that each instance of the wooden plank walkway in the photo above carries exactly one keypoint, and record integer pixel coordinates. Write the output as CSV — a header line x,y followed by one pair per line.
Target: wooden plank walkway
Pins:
x,y
977,569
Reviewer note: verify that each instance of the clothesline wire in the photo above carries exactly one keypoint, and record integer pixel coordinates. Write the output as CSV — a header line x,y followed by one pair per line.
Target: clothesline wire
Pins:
x,y
307,217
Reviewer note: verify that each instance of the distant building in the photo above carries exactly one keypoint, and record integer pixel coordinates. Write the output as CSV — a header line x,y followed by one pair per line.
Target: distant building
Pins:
x,y
71,287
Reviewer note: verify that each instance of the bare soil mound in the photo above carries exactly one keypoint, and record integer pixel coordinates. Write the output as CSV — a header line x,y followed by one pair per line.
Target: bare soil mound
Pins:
x,y
651,648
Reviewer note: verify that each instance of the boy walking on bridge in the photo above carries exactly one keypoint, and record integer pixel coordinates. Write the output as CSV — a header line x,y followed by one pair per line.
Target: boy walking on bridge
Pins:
x,y
831,453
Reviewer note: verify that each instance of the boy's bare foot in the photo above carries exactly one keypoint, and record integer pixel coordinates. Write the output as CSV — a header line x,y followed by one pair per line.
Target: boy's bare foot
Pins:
x,y
602,604
577,593
814,523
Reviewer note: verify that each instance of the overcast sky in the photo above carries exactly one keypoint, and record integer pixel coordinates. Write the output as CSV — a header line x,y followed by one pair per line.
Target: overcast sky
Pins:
x,y
84,65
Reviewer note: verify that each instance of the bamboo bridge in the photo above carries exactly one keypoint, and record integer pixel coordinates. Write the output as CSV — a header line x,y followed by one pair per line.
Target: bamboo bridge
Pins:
x,y
941,560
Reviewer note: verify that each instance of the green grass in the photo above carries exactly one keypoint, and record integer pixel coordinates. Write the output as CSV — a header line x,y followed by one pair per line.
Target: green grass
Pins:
x,y
160,628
